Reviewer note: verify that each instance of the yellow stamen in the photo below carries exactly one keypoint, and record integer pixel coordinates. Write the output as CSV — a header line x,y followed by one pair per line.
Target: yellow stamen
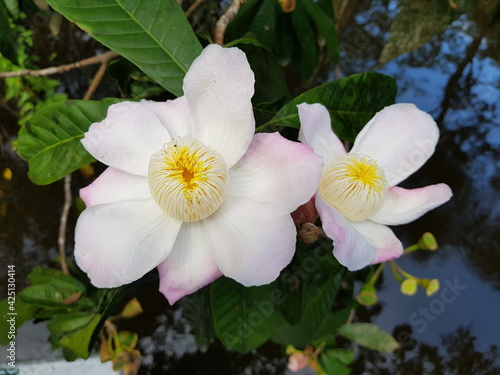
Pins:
x,y
187,179
355,185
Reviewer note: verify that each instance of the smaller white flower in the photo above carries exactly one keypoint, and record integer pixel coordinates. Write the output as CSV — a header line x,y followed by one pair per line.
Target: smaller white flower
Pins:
x,y
357,197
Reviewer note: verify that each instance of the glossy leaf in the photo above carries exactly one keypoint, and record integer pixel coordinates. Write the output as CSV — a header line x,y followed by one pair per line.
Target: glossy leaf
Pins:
x,y
57,278
351,102
154,35
74,333
325,25
23,313
305,33
369,336
199,316
50,142
244,316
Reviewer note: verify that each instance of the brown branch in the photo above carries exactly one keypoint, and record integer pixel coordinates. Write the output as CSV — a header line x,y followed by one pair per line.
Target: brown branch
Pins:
x,y
220,27
96,80
61,240
98,59
193,7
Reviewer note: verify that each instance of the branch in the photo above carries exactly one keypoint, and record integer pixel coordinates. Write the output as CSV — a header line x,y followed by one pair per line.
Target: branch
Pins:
x,y
98,59
220,27
61,240
193,7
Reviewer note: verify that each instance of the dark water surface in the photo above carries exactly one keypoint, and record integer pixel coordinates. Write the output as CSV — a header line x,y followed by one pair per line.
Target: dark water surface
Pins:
x,y
456,78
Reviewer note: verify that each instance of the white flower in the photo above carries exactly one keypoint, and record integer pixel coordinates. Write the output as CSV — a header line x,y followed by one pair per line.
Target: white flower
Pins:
x,y
357,196
190,189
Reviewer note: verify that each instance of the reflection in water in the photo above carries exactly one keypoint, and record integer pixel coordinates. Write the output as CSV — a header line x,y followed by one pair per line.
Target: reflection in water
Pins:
x,y
458,355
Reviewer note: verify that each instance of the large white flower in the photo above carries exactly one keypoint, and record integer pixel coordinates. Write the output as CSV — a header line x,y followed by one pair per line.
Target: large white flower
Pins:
x,y
357,196
190,189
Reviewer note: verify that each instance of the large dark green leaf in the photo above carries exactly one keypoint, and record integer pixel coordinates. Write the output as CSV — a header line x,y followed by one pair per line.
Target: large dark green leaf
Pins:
x,y
154,35
306,37
51,139
370,336
325,25
74,333
7,37
23,312
351,101
244,316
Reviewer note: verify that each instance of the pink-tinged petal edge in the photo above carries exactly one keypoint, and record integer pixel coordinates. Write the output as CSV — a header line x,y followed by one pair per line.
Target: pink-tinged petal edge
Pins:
x,y
126,138
277,171
118,243
351,249
218,88
316,131
114,185
191,265
406,205
253,241
401,138
387,244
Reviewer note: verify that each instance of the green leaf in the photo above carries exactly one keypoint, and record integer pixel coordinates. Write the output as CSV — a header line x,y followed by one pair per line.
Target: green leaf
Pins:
x,y
325,25
50,142
244,316
331,364
74,333
351,102
308,53
196,310
154,35
370,336
264,23
23,311
57,278
45,295
270,83
7,38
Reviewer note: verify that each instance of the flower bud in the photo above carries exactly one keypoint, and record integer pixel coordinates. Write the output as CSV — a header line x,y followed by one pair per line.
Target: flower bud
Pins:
x,y
367,295
428,242
308,232
431,286
409,287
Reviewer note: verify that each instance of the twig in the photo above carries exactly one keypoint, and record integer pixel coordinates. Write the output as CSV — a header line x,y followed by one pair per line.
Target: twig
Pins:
x,y
220,27
96,80
61,240
193,7
98,59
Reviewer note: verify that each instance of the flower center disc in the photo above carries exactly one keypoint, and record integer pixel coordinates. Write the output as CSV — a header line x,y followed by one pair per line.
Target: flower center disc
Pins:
x,y
187,179
355,185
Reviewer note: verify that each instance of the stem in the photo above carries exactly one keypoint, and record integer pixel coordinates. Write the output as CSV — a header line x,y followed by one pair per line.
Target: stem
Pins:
x,y
193,7
63,222
98,59
97,79
396,268
375,276
220,27
411,248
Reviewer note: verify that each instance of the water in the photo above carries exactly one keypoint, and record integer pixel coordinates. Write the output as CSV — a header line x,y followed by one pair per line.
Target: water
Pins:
x,y
453,332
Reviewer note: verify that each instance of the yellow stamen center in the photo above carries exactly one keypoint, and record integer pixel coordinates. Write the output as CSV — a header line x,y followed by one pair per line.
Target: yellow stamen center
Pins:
x,y
355,185
187,179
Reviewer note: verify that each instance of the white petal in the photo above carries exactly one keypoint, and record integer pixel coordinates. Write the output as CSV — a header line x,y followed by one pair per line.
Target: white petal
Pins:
x,y
253,241
218,88
114,185
276,170
173,114
387,244
350,247
191,265
316,131
118,243
400,138
403,205
126,138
